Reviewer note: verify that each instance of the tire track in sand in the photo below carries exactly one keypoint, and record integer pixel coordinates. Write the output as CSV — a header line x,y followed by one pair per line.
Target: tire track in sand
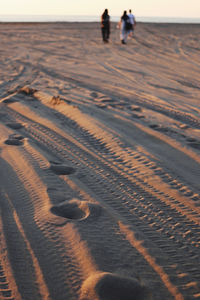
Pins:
x,y
45,240
24,255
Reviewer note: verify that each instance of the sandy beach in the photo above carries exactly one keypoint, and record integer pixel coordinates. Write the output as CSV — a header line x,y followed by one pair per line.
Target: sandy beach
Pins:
x,y
99,162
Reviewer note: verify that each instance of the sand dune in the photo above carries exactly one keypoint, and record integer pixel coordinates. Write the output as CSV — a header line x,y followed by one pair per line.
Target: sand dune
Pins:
x,y
99,163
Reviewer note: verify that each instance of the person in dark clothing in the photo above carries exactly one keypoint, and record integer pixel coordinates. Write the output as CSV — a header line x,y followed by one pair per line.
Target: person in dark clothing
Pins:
x,y
123,24
105,26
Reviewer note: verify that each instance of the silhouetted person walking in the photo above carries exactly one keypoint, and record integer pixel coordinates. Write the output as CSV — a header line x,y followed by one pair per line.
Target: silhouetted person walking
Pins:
x,y
105,26
125,27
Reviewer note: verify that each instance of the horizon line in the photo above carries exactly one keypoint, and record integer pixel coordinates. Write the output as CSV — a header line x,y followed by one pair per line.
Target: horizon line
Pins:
x,y
90,15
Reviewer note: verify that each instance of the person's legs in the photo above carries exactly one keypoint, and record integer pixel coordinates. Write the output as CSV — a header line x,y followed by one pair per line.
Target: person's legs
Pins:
x,y
122,35
107,33
103,34
125,36
130,33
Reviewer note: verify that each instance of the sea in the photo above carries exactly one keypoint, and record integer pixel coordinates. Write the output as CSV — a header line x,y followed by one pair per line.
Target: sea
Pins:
x,y
70,18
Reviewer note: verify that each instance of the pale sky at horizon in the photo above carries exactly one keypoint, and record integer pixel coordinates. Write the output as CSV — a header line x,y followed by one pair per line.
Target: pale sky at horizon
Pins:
x,y
159,8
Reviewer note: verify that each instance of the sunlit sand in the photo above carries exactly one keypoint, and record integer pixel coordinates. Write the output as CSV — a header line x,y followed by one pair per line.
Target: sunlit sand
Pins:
x,y
99,162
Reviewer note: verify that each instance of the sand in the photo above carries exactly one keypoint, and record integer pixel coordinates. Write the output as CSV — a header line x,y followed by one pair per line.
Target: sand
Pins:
x,y
99,162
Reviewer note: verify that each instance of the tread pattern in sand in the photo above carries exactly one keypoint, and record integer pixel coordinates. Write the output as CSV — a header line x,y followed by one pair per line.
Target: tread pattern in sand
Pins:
x,y
5,291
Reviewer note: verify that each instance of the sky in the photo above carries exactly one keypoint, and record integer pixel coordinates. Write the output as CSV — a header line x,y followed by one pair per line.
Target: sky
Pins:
x,y
154,8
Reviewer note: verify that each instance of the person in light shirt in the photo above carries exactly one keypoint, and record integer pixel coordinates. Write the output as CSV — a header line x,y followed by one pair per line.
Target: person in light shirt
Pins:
x,y
132,21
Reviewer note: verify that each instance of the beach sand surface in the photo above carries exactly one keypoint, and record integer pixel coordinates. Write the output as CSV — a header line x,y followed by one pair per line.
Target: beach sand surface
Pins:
x,y
99,162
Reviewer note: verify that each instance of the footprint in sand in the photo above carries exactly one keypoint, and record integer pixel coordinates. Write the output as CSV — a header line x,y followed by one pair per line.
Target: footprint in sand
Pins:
x,y
76,209
195,144
15,140
15,125
108,100
192,142
160,128
62,169
94,95
183,126
105,285
154,126
136,108
101,105
137,116
10,100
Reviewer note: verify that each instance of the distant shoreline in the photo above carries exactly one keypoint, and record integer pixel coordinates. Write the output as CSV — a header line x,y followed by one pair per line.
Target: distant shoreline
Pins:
x,y
94,22
90,19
